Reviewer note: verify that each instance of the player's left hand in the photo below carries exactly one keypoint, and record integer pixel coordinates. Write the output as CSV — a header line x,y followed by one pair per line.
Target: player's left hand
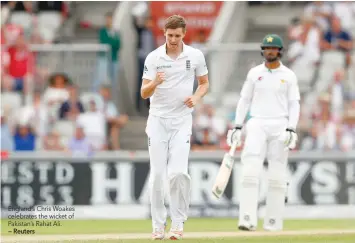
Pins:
x,y
191,101
289,138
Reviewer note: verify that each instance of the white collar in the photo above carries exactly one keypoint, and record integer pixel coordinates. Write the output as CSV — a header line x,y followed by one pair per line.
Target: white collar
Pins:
x,y
162,52
273,70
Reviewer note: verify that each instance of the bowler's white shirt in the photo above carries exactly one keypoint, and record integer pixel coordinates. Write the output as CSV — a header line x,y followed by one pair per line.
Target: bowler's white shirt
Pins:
x,y
168,98
270,91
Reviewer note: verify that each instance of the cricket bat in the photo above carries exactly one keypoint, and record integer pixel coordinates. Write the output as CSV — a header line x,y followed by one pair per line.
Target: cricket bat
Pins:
x,y
224,172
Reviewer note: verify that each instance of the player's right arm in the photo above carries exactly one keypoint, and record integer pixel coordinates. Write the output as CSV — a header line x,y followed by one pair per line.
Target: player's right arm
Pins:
x,y
151,78
149,86
243,106
246,96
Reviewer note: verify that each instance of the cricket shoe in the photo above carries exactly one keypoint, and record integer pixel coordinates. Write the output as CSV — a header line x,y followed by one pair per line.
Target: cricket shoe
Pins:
x,y
246,228
272,228
159,233
176,231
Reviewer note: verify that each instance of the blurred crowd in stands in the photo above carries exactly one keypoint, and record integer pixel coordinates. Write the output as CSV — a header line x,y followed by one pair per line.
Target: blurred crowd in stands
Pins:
x,y
60,118
57,117
320,52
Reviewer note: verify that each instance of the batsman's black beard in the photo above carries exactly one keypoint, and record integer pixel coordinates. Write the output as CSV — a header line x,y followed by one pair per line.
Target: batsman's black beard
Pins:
x,y
271,59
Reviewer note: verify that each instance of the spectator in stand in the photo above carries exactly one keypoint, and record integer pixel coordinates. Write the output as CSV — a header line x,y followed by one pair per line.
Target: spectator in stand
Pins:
x,y
7,143
337,94
322,110
295,29
36,115
338,39
5,61
72,107
20,66
108,64
327,127
115,120
349,98
321,11
94,124
80,145
51,142
348,135
350,105
10,33
56,93
304,52
6,8
24,138
146,44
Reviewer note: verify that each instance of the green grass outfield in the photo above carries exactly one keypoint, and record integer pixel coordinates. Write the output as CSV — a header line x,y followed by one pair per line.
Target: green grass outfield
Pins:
x,y
209,225
269,239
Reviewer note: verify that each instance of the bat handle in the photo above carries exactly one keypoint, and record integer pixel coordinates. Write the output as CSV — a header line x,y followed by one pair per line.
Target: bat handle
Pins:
x,y
233,148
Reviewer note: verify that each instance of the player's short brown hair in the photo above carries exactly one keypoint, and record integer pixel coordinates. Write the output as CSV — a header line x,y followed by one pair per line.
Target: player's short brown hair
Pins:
x,y
175,22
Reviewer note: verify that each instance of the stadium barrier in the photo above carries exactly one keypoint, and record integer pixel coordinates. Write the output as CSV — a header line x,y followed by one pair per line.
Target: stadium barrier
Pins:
x,y
115,184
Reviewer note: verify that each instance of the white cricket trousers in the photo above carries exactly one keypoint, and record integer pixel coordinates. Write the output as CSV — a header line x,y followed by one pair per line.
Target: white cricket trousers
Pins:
x,y
169,148
262,140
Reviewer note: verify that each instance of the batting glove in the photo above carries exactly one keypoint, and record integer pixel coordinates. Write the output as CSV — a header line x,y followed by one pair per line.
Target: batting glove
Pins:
x,y
289,138
234,135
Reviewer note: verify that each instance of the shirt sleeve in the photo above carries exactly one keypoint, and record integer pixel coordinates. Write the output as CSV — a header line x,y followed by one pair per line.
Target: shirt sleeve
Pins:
x,y
246,96
293,89
248,87
150,67
241,111
294,113
201,68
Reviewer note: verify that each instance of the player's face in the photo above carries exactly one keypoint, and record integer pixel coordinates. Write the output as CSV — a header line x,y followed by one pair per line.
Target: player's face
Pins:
x,y
271,53
174,38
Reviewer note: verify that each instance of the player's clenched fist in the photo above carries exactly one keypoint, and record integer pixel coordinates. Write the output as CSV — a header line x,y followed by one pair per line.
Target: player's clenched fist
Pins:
x,y
160,77
191,101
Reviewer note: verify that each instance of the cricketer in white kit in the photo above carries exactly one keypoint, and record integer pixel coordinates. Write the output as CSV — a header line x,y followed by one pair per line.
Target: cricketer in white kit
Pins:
x,y
271,93
168,80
